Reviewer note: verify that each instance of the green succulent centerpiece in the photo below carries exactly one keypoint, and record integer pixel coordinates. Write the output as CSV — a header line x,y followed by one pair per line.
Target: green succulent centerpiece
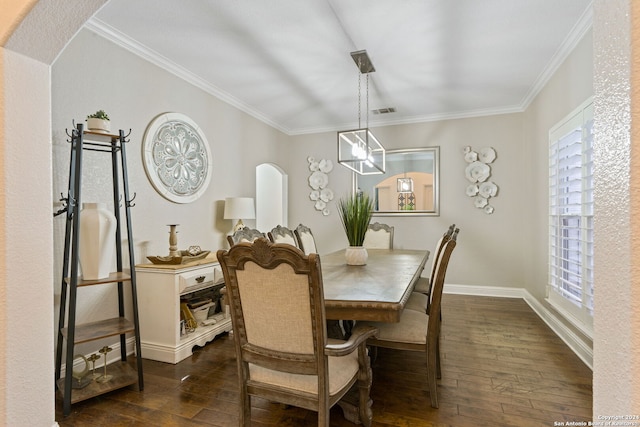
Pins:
x,y
99,121
355,213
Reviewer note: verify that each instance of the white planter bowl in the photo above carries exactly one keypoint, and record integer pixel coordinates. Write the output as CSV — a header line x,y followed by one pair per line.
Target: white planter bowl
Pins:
x,y
356,255
99,125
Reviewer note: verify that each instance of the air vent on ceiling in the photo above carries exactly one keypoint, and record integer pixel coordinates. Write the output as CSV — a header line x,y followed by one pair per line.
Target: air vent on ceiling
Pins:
x,y
384,110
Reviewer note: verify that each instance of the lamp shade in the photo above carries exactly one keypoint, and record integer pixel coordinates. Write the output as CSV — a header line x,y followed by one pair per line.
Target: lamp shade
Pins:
x,y
239,208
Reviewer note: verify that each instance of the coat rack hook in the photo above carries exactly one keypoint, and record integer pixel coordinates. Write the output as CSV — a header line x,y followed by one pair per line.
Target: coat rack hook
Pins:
x,y
129,202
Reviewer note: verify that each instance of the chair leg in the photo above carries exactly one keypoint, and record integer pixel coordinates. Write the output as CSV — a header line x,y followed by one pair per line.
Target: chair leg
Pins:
x,y
365,379
431,371
323,415
245,408
438,366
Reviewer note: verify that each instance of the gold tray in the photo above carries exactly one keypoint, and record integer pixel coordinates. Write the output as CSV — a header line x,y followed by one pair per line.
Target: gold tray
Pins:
x,y
183,258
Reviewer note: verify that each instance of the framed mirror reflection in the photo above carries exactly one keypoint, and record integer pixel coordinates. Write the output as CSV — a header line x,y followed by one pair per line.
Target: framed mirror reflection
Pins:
x,y
409,186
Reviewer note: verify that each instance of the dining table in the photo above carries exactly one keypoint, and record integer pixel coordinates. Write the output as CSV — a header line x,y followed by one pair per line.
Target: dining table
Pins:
x,y
376,291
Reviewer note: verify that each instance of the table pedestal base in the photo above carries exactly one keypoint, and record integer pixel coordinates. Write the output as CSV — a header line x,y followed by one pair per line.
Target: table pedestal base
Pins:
x,y
349,404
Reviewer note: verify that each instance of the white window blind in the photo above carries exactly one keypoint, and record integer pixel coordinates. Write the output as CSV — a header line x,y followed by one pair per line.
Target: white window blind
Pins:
x,y
571,217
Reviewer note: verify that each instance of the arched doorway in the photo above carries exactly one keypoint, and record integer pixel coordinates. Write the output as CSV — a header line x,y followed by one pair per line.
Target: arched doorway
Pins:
x,y
271,196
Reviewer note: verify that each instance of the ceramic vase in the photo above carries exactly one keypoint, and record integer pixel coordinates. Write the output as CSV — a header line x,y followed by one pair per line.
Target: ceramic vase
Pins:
x,y
97,241
356,255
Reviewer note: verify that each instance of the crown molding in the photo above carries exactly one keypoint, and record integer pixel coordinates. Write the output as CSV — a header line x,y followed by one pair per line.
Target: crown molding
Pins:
x,y
112,34
574,37
415,119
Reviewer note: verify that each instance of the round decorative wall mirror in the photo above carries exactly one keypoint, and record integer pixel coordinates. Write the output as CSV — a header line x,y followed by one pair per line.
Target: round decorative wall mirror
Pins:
x,y
177,157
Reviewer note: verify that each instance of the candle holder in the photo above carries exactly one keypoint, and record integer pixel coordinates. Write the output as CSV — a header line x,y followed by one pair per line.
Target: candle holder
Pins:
x,y
173,240
93,359
105,378
194,253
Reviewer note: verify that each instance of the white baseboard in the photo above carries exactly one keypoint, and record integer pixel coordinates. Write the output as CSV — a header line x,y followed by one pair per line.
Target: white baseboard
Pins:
x,y
485,291
582,349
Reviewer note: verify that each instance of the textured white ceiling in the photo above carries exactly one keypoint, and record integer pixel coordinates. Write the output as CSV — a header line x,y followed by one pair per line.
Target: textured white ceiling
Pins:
x,y
287,62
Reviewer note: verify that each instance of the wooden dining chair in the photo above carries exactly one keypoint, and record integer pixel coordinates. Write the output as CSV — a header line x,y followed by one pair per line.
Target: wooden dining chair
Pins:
x,y
276,298
245,235
378,236
281,234
419,299
418,331
305,239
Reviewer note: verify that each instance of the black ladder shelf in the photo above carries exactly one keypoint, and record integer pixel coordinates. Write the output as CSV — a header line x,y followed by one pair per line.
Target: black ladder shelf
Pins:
x,y
123,374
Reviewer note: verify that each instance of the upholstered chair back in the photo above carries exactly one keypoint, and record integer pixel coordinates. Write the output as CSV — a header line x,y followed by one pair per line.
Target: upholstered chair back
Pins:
x,y
282,234
276,299
245,235
305,238
378,236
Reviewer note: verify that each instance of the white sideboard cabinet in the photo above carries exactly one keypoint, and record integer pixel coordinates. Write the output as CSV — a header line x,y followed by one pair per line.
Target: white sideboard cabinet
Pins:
x,y
160,287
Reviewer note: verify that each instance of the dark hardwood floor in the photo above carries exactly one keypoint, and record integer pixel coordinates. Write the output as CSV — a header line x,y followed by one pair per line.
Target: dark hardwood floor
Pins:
x,y
501,366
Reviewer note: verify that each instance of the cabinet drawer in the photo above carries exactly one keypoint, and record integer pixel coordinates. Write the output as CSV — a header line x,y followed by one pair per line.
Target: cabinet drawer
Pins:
x,y
193,280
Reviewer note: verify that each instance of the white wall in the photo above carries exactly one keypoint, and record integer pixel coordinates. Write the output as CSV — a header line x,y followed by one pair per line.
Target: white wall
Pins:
x,y
616,379
27,306
91,74
490,246
571,85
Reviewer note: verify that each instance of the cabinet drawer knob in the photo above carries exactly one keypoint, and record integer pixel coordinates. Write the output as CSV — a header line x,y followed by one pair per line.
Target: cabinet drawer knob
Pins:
x,y
200,279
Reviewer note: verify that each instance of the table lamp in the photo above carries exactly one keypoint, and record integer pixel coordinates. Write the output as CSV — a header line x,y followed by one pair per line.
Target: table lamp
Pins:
x,y
239,208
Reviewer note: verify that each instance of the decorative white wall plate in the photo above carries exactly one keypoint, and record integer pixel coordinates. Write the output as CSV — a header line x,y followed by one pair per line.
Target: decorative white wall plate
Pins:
x,y
487,155
478,172
318,181
177,157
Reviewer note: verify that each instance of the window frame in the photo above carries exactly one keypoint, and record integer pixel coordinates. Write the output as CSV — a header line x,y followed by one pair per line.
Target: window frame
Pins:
x,y
571,246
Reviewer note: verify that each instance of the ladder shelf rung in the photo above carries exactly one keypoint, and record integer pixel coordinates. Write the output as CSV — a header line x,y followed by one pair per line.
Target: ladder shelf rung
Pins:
x,y
100,329
116,276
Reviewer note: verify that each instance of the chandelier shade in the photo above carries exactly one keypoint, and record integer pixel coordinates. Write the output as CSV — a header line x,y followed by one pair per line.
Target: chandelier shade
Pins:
x,y
358,149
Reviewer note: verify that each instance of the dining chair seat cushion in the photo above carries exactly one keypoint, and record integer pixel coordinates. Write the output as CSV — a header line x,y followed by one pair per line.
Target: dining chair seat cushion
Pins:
x,y
417,301
341,371
411,329
422,285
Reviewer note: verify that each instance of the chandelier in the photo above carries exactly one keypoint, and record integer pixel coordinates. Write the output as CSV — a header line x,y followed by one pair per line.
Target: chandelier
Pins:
x,y
405,184
358,149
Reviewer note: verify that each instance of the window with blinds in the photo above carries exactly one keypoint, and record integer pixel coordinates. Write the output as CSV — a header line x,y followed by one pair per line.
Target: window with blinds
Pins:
x,y
571,217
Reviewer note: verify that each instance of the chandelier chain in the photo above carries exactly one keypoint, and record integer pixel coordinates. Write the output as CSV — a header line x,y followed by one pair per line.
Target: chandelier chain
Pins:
x,y
367,116
359,102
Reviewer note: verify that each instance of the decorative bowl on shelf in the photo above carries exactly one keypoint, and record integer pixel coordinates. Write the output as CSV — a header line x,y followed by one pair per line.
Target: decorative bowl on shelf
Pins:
x,y
183,258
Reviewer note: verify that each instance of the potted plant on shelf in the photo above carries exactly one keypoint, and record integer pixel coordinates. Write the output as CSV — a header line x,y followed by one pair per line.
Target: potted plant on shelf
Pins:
x,y
99,121
355,213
